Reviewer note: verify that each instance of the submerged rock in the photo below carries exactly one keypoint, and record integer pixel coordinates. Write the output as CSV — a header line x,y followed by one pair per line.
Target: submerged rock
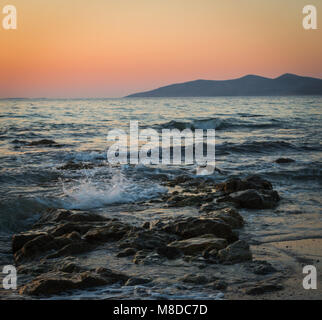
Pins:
x,y
262,288
236,252
43,142
284,160
71,165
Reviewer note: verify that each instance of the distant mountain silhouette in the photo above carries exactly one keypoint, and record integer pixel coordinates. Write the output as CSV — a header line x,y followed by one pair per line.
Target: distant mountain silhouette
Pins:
x,y
250,85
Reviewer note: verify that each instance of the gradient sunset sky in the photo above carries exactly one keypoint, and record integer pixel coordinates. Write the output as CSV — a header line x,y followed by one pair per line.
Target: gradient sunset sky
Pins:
x,y
111,48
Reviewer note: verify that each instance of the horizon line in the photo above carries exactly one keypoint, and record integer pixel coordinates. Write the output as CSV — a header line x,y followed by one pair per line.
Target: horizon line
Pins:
x,y
127,96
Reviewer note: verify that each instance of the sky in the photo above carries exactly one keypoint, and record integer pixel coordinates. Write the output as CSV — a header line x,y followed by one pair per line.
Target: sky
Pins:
x,y
111,48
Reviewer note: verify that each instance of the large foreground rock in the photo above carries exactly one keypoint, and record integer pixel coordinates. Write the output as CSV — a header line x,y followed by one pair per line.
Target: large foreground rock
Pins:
x,y
58,282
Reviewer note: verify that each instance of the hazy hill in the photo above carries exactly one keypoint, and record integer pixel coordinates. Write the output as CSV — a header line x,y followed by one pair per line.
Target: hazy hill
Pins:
x,y
250,85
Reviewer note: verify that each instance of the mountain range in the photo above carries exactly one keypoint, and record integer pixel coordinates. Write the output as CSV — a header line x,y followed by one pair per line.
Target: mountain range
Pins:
x,y
250,85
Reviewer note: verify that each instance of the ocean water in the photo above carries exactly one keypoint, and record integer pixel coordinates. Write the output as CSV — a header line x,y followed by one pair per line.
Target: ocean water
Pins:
x,y
251,132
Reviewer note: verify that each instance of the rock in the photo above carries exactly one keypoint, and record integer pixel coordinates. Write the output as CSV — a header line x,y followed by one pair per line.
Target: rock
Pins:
x,y
236,252
189,200
136,281
194,278
284,160
210,254
58,282
146,239
126,252
71,165
251,182
77,247
254,199
194,227
169,252
69,227
229,216
36,246
62,215
196,245
43,142
19,240
218,285
261,267
147,257
112,276
112,231
262,288
70,267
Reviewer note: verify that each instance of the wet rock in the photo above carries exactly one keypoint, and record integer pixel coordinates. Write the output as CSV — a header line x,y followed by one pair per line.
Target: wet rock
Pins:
x,y
261,267
43,142
69,227
195,279
126,252
147,257
254,199
169,252
70,267
34,247
284,160
58,282
77,247
179,180
193,227
189,200
218,285
146,239
262,288
196,245
19,240
112,231
136,281
251,182
229,216
71,165
236,252
62,215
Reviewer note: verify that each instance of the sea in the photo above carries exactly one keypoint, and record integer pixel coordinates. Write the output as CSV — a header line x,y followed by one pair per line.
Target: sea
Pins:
x,y
251,133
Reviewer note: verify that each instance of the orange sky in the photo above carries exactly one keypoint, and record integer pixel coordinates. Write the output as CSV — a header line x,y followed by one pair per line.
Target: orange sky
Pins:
x,y
110,48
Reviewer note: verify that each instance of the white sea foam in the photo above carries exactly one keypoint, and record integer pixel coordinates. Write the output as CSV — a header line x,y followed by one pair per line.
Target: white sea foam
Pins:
x,y
91,192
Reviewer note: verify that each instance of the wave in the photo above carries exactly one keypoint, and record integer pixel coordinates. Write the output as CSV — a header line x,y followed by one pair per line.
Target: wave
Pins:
x,y
90,193
17,213
254,147
221,124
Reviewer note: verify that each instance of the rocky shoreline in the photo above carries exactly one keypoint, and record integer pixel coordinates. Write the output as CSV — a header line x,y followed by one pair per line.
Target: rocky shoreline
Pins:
x,y
68,250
